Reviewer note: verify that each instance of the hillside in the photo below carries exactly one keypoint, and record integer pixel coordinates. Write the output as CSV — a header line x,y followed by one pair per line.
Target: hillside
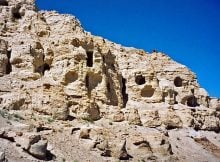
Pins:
x,y
67,95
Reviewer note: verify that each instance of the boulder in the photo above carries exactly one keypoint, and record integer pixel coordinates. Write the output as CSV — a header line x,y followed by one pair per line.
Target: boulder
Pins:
x,y
39,149
84,133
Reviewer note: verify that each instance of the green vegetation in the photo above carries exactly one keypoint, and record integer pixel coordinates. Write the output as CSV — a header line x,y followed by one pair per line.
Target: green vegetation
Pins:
x,y
14,116
88,119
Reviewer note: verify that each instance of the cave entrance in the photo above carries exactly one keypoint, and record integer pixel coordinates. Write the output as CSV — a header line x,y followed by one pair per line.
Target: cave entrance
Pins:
x,y
8,66
92,80
70,77
41,69
16,13
111,93
192,101
89,60
147,91
3,3
124,94
178,82
139,79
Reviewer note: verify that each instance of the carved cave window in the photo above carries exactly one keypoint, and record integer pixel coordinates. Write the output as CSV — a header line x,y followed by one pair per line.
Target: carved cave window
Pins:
x,y
147,91
139,79
89,61
8,66
124,94
178,82
192,101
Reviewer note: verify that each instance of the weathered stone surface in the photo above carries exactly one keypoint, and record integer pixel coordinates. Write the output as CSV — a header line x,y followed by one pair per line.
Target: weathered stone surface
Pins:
x,y
84,133
134,117
151,119
4,67
39,149
59,76
118,117
172,120
2,157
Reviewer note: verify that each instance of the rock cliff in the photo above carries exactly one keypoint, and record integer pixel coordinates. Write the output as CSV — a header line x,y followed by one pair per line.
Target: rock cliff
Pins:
x,y
66,94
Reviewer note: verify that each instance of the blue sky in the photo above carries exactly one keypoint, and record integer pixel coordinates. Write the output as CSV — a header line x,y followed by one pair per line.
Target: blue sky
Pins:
x,y
186,30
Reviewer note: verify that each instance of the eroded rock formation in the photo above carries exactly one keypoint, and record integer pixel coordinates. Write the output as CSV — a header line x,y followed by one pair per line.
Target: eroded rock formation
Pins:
x,y
54,73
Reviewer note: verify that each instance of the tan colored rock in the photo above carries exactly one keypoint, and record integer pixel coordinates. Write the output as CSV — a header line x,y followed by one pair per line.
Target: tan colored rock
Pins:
x,y
206,120
123,154
4,66
134,117
39,149
172,120
61,113
214,103
27,140
118,117
85,133
151,118
51,68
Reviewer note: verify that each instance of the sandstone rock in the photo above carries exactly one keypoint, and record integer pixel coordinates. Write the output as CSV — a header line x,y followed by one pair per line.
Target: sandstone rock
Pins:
x,y
87,69
88,110
143,145
123,154
118,117
134,117
102,145
186,116
206,120
39,149
4,56
151,119
214,103
13,101
172,120
61,113
27,140
51,67
84,133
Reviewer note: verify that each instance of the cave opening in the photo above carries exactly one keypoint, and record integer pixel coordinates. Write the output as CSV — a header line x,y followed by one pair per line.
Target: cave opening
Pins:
x,y
70,77
192,101
8,66
178,82
147,91
16,15
108,87
3,3
89,61
45,67
41,69
92,80
139,79
111,93
124,94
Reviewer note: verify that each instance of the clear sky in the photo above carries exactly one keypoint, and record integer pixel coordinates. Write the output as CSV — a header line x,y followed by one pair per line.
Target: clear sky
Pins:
x,y
186,30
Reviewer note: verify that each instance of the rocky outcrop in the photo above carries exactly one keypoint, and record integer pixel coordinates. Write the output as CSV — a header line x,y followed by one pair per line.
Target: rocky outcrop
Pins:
x,y
55,74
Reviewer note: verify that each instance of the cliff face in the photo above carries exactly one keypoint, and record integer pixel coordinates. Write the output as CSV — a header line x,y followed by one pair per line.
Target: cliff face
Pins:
x,y
50,68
